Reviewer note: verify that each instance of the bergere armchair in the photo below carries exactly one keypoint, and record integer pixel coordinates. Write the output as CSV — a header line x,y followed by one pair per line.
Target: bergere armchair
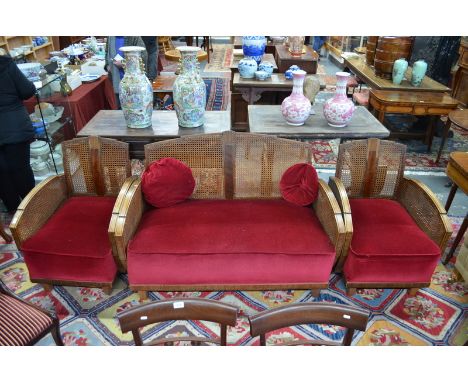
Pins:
x,y
396,228
62,225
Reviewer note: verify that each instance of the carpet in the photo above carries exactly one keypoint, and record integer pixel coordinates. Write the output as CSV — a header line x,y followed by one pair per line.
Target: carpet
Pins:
x,y
437,315
220,59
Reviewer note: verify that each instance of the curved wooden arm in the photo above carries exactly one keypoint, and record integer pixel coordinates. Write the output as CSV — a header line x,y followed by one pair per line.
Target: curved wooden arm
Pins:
x,y
328,212
426,210
37,207
339,190
128,209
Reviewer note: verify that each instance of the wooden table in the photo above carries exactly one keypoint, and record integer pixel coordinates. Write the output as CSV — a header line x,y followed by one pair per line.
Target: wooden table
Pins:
x,y
458,118
267,119
247,91
357,64
111,124
415,103
307,61
174,55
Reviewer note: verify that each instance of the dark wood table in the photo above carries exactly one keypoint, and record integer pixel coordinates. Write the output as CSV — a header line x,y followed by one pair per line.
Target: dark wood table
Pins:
x,y
357,64
267,119
414,103
111,124
458,118
307,61
247,91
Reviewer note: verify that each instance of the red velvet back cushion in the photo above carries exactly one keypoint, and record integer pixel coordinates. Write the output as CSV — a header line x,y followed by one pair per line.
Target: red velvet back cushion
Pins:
x,y
166,182
299,184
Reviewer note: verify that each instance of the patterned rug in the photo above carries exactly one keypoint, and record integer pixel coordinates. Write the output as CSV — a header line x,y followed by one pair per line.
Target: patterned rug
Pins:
x,y
220,59
437,315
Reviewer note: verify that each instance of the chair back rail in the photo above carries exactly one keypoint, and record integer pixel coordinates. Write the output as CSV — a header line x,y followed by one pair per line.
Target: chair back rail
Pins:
x,y
309,313
95,165
177,309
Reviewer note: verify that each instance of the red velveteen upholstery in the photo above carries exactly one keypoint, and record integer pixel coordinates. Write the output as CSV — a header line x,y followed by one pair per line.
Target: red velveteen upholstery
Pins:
x,y
387,245
74,243
299,184
166,182
230,242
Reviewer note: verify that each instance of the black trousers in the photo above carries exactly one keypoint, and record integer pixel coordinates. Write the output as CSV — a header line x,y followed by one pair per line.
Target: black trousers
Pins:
x,y
16,175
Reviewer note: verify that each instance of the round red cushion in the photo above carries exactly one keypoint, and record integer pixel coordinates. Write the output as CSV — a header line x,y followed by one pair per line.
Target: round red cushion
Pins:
x,y
299,184
166,182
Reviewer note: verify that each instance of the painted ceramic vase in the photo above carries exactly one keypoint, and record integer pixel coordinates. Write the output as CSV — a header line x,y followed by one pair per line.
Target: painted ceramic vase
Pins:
x,y
254,46
296,107
135,90
419,71
247,67
289,73
266,67
189,90
339,109
399,70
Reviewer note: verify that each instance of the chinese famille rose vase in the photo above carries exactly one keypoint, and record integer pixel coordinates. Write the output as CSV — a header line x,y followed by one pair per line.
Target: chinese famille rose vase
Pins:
x,y
254,47
135,90
296,107
189,91
339,109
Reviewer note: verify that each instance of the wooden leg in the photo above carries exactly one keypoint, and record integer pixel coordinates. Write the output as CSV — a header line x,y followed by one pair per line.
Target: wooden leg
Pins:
x,y
460,235
413,291
444,137
55,331
351,291
143,294
315,292
107,290
47,287
430,132
381,116
3,234
450,197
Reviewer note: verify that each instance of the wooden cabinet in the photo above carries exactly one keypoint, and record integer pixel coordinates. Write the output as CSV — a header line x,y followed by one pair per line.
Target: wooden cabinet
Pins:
x,y
37,53
460,83
68,40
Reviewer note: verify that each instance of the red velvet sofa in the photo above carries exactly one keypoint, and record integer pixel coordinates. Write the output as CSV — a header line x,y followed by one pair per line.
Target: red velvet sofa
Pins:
x,y
236,232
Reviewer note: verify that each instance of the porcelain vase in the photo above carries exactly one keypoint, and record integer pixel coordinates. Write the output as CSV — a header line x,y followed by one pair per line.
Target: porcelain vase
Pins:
x,y
296,45
419,71
339,109
136,92
189,90
296,107
247,67
254,46
399,70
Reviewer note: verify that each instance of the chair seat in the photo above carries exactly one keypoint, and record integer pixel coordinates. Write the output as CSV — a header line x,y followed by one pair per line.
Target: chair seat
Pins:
x,y
20,323
388,245
352,82
361,98
230,241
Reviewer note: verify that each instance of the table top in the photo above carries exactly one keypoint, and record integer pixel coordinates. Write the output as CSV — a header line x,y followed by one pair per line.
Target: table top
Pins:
x,y
358,66
459,160
267,119
163,84
277,80
174,55
414,98
459,118
267,57
111,123
283,53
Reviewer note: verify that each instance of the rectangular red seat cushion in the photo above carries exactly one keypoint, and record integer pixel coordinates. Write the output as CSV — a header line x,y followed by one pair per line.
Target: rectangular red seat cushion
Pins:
x,y
74,244
388,245
230,242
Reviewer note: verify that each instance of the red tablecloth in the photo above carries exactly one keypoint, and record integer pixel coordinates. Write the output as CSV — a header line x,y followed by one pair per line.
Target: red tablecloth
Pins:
x,y
85,101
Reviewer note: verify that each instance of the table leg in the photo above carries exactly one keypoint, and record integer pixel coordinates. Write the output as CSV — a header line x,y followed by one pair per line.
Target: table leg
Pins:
x,y
444,137
381,116
189,40
3,234
460,235
430,132
450,197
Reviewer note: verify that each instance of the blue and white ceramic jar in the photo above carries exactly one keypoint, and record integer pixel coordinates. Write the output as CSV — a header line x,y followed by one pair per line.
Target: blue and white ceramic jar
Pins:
x,y
399,70
289,73
419,71
261,75
254,46
266,67
189,91
247,67
136,92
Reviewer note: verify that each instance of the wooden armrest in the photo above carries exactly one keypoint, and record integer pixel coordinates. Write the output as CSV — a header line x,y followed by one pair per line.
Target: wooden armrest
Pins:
x,y
426,210
328,212
128,209
37,207
339,190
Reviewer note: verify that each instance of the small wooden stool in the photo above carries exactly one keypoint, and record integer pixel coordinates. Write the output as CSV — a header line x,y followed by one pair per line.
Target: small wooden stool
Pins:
x,y
457,117
3,234
457,171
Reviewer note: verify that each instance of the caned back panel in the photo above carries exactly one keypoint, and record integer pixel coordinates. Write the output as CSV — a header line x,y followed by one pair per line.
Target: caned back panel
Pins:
x,y
114,164
354,168
202,153
77,166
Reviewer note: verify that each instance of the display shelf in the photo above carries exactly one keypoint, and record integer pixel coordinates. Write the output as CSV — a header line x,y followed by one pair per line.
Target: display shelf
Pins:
x,y
42,46
36,54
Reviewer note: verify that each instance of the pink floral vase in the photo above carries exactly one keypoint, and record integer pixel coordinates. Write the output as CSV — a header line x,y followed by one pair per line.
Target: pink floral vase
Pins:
x,y
296,107
339,109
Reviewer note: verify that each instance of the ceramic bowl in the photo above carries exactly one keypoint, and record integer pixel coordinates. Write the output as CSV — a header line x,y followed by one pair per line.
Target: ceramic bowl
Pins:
x,y
261,75
31,70
39,150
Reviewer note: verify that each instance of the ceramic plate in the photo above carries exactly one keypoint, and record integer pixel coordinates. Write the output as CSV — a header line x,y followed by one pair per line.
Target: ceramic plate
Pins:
x,y
49,118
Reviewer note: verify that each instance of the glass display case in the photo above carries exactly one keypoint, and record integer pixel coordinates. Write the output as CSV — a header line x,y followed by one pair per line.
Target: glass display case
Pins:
x,y
52,120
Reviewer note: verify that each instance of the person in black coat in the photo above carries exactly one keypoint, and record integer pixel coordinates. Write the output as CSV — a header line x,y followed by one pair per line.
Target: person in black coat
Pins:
x,y
16,132
151,44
